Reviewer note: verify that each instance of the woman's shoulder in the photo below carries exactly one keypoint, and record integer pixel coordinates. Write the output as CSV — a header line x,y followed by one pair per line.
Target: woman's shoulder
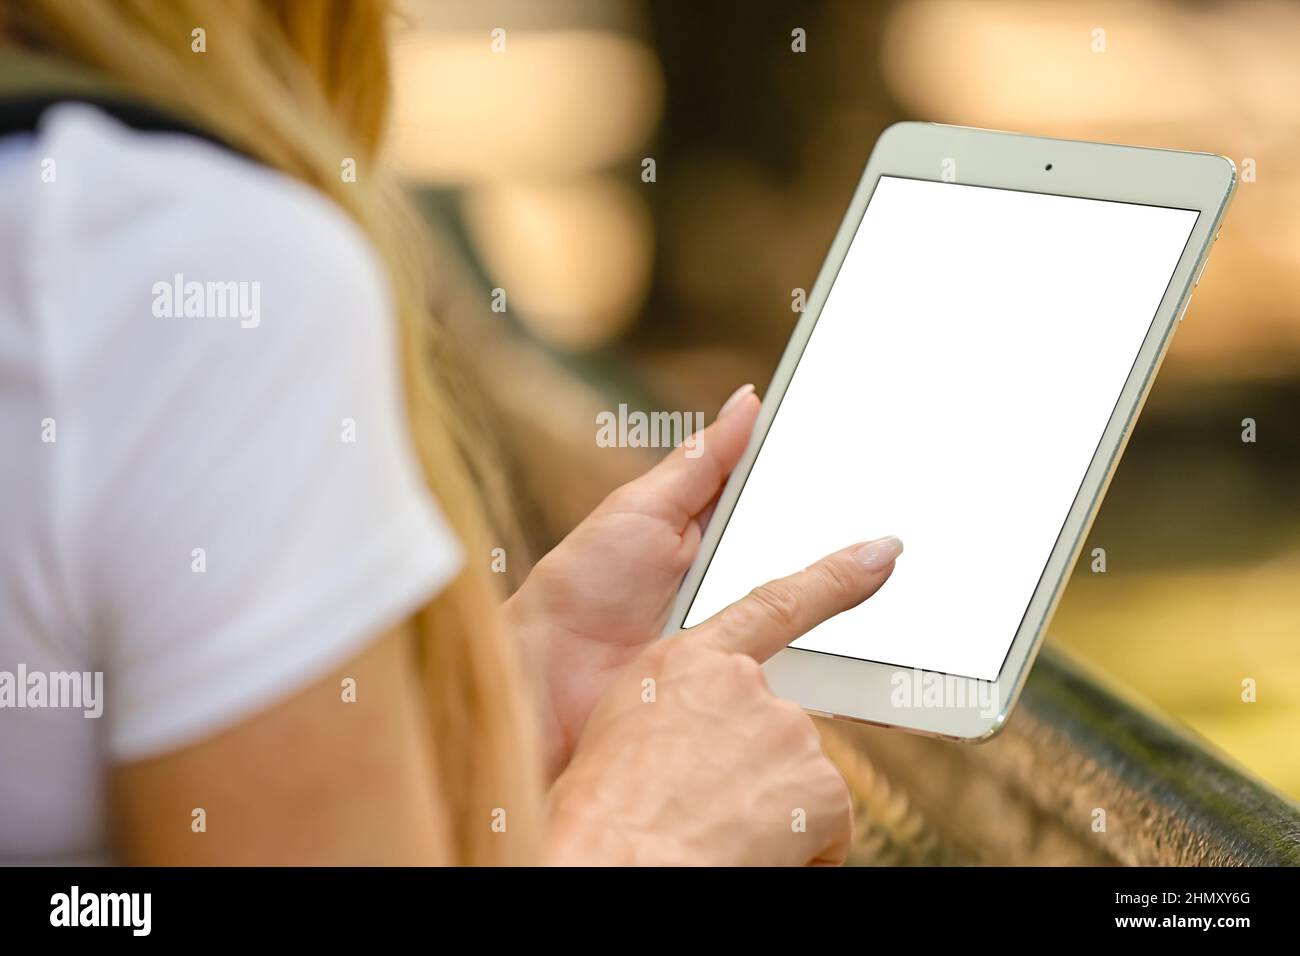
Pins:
x,y
243,506
152,203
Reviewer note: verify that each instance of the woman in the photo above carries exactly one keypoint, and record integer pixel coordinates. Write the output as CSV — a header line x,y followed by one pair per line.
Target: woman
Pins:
x,y
235,485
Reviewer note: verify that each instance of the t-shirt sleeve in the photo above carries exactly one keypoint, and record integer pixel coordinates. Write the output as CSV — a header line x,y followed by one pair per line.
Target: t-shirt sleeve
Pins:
x,y
244,498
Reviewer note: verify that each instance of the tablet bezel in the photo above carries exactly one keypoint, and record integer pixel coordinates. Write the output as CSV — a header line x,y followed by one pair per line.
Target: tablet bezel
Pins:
x,y
847,688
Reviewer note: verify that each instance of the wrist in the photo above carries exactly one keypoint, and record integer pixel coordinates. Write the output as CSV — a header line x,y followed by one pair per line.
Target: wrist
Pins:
x,y
581,833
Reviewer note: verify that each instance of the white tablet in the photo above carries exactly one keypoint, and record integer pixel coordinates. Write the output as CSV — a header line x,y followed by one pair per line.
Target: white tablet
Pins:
x,y
972,357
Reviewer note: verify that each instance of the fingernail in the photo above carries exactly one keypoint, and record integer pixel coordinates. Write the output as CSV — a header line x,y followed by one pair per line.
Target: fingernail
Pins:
x,y
735,398
876,555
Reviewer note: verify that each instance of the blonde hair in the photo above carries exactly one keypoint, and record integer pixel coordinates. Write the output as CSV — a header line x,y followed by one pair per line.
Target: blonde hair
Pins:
x,y
301,85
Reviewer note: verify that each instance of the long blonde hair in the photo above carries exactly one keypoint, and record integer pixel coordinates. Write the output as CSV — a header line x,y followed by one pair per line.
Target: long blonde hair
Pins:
x,y
301,86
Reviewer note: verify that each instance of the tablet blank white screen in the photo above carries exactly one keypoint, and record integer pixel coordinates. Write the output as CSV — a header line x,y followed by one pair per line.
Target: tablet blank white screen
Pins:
x,y
953,392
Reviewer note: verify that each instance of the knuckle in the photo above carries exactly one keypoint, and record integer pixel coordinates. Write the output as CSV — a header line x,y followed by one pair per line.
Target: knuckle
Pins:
x,y
832,792
833,781
793,720
842,838
838,579
745,668
791,712
778,602
675,654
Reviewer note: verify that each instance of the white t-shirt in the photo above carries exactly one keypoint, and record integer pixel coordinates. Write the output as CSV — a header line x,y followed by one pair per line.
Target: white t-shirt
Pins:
x,y
209,497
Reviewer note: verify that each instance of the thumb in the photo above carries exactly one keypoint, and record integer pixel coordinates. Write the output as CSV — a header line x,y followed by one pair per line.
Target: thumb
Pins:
x,y
773,615
682,485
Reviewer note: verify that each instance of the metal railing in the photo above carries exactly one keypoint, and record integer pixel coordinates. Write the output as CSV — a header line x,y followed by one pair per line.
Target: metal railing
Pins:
x,y
1079,776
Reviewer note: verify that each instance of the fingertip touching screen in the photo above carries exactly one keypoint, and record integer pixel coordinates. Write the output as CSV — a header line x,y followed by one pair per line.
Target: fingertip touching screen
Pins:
x,y
953,392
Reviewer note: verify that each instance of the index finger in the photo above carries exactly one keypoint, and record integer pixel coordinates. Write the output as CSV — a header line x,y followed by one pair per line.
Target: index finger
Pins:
x,y
774,614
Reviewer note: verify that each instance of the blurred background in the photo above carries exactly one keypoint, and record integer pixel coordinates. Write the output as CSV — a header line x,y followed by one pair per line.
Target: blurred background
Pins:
x,y
525,128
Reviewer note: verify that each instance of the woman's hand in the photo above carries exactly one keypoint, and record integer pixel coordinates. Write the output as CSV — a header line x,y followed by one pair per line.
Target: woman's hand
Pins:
x,y
594,602
689,758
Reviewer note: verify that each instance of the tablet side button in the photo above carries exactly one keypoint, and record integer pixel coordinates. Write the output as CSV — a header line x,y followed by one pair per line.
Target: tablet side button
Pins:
x,y
1204,262
1201,271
